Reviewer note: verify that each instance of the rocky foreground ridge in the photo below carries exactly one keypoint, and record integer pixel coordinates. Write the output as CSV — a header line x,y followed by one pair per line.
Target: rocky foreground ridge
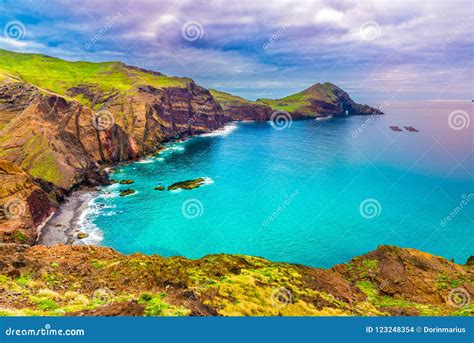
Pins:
x,y
89,280
62,122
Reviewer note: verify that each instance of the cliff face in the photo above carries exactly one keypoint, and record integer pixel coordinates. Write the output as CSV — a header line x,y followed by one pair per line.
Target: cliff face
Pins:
x,y
23,205
87,280
63,142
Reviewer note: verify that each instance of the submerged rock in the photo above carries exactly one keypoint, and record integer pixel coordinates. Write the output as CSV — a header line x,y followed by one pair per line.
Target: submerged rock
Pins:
x,y
125,192
188,184
160,188
126,182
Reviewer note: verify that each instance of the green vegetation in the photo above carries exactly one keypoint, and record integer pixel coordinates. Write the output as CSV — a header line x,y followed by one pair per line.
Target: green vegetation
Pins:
x,y
20,236
227,99
383,301
58,76
98,264
301,102
222,284
156,306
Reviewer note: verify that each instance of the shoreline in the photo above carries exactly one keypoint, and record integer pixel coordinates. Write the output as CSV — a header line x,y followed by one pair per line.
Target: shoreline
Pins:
x,y
64,224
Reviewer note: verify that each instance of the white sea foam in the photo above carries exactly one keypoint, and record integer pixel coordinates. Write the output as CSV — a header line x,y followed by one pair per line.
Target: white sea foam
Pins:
x,y
145,161
112,186
86,225
324,118
208,180
174,147
223,131
108,195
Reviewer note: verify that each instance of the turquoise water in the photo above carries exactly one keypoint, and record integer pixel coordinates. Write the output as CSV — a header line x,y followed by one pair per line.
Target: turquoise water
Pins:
x,y
316,193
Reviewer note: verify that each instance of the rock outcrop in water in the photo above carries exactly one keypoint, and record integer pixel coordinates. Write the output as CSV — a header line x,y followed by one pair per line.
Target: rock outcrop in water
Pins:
x,y
89,280
188,184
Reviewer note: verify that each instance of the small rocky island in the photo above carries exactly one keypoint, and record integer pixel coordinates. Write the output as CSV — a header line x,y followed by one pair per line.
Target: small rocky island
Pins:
x,y
188,184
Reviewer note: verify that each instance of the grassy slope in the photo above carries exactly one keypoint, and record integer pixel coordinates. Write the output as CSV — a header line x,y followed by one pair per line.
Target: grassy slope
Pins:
x,y
300,102
227,99
58,76
65,279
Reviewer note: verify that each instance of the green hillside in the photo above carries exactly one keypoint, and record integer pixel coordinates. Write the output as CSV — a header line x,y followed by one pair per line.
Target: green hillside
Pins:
x,y
227,99
301,102
56,75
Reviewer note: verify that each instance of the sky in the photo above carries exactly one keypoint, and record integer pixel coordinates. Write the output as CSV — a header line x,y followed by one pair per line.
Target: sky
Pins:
x,y
376,50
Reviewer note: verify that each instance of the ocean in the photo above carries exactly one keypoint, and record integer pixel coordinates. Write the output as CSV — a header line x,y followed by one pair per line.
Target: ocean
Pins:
x,y
314,192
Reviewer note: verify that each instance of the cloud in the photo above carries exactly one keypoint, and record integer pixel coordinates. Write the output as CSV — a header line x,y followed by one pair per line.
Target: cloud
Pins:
x,y
257,48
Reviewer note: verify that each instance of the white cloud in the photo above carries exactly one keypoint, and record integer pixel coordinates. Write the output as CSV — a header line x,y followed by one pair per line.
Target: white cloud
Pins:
x,y
329,15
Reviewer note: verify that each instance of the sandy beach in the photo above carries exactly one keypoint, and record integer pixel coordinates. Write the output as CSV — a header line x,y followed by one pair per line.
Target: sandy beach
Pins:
x,y
64,226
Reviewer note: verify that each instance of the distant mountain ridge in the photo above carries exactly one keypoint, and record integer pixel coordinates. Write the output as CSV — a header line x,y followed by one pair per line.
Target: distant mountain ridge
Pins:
x,y
61,122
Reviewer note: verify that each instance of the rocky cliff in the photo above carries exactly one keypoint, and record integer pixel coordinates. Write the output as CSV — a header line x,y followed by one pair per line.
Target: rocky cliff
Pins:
x,y
87,280
23,205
